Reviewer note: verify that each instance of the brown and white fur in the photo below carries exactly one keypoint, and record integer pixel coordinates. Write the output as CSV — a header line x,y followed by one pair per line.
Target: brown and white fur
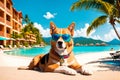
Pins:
x,y
51,62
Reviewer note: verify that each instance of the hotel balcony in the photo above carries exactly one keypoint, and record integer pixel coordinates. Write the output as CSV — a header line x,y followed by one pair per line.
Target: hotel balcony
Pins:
x,y
2,4
8,20
8,23
1,16
9,7
16,28
15,14
15,17
1,30
1,33
8,31
8,10
8,35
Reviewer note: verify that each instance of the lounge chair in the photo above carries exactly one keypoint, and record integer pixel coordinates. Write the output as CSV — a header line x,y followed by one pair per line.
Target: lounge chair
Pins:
x,y
4,48
115,55
15,46
1,46
10,46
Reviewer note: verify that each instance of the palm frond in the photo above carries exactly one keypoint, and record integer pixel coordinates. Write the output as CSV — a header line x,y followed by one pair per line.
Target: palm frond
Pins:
x,y
96,23
110,1
96,4
75,5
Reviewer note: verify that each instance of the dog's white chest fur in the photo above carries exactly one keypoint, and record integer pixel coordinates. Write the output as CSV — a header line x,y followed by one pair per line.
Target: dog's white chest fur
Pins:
x,y
64,63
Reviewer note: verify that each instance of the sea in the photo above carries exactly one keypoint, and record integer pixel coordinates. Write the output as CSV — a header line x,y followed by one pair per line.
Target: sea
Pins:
x,y
33,51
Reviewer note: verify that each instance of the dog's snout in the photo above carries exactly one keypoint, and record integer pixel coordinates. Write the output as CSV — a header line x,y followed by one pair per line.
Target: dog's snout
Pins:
x,y
60,42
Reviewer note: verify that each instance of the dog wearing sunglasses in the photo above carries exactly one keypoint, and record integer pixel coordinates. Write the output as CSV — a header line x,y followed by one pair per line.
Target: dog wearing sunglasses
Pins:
x,y
60,57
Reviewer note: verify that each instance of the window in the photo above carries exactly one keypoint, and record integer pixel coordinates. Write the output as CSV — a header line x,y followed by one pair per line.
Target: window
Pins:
x,y
1,13
1,27
8,17
8,5
8,30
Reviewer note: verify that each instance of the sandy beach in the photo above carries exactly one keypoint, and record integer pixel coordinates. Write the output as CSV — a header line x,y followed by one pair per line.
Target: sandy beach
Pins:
x,y
92,61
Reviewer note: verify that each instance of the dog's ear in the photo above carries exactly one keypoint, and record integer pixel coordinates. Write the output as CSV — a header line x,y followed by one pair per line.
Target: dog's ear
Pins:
x,y
52,27
71,28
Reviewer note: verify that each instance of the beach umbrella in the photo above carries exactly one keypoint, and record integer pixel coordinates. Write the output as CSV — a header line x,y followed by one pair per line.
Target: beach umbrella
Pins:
x,y
3,38
12,39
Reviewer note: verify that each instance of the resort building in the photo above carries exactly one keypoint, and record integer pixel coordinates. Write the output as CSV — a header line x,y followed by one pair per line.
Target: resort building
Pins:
x,y
31,38
10,21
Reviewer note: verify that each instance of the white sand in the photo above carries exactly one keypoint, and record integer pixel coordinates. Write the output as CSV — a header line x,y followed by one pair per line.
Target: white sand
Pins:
x,y
16,61
88,57
13,61
9,64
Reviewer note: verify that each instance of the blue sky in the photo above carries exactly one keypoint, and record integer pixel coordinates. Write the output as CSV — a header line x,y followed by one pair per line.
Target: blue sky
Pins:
x,y
41,12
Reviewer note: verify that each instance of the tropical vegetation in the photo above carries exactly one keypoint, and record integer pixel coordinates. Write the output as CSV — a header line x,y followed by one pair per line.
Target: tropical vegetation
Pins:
x,y
110,8
30,29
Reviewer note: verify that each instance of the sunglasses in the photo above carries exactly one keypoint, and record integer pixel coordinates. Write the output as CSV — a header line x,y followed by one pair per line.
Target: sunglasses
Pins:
x,y
66,37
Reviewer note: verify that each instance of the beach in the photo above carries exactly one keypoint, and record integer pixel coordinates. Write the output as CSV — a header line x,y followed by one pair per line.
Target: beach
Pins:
x,y
92,61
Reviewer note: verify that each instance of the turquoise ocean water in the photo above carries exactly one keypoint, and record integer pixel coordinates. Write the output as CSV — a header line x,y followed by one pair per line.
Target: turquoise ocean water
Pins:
x,y
43,50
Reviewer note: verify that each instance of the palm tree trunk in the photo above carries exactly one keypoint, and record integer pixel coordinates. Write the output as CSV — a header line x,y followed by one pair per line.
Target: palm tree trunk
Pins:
x,y
116,31
118,7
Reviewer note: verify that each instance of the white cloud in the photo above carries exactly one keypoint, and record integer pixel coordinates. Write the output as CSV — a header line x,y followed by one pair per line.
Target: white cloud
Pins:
x,y
111,35
44,32
105,37
96,37
82,32
49,15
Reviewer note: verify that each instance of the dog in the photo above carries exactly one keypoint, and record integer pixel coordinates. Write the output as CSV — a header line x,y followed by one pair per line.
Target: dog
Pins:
x,y
60,58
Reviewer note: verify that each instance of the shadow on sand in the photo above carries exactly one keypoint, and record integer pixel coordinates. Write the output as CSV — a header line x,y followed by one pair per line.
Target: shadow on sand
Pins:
x,y
108,63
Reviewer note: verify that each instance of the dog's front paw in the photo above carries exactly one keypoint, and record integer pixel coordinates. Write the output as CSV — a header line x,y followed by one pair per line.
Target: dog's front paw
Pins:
x,y
85,71
70,71
66,70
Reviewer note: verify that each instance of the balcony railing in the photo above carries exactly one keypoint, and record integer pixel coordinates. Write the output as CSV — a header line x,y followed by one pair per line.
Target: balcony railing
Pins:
x,y
1,33
8,10
15,18
1,19
8,35
16,28
8,23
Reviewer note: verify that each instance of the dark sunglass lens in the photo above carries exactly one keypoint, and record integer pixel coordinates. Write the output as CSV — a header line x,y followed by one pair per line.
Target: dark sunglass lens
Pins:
x,y
66,37
55,37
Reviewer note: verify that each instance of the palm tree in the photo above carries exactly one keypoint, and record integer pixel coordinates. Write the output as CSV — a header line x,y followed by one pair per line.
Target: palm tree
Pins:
x,y
30,29
110,8
26,19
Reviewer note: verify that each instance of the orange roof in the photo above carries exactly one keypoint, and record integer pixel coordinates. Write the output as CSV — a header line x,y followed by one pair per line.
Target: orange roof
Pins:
x,y
20,14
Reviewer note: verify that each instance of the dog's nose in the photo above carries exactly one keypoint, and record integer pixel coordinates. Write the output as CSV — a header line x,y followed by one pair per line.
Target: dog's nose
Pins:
x,y
60,42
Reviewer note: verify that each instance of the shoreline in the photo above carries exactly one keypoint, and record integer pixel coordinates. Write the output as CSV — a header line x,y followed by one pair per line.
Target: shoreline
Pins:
x,y
10,63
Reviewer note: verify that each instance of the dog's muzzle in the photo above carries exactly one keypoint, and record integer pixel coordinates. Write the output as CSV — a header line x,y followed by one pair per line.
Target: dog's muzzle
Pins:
x,y
61,45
